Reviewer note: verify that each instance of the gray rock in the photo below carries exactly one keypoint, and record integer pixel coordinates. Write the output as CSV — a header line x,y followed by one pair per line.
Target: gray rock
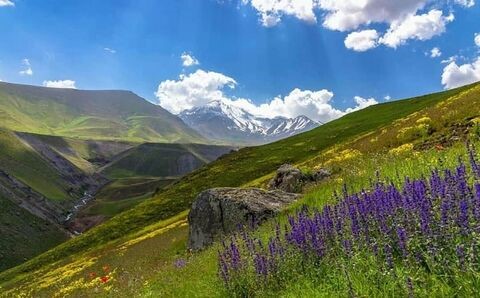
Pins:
x,y
291,179
221,211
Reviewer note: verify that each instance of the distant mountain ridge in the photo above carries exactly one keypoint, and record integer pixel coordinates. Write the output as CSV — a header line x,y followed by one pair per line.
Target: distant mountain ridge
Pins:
x,y
90,114
221,121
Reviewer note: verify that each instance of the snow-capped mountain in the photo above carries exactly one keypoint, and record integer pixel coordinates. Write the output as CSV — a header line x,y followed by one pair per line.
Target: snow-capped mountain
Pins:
x,y
223,122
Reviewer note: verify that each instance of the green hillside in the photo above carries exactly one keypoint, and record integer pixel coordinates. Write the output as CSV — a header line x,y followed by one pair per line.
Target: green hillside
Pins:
x,y
24,235
365,133
21,161
163,160
92,115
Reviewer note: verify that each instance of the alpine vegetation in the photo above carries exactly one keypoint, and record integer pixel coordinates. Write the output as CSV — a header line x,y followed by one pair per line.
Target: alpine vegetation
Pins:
x,y
398,238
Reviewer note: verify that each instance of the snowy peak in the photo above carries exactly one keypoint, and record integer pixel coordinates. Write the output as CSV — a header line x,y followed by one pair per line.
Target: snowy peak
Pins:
x,y
224,122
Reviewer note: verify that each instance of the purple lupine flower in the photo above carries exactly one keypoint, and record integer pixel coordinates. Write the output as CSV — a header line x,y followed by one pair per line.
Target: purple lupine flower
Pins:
x,y
463,216
402,241
419,219
387,250
472,153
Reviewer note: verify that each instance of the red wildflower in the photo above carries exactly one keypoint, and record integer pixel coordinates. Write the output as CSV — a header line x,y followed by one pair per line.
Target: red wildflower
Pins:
x,y
104,279
106,268
92,275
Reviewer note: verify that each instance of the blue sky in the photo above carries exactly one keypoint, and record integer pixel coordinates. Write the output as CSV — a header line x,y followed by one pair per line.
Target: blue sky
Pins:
x,y
267,52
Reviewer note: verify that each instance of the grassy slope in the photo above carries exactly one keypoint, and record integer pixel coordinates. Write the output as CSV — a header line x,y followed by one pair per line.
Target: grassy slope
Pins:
x,y
25,164
123,194
163,160
242,167
139,271
17,225
100,115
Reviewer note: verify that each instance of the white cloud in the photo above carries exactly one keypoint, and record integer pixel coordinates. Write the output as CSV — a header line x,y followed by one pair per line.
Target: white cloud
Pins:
x,y
450,59
314,104
420,27
196,89
6,3
201,87
67,84
362,103
403,17
110,50
272,11
189,60
477,39
387,98
348,15
362,41
435,52
466,3
27,71
458,75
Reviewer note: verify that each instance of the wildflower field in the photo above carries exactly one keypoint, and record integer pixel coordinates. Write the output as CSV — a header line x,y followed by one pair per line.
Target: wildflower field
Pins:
x,y
420,238
399,217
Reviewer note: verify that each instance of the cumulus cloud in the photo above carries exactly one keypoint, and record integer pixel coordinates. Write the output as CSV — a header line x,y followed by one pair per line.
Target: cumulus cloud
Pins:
x,y
350,14
420,27
404,18
314,104
201,87
477,39
6,3
189,60
362,103
196,89
67,84
362,41
27,68
459,75
272,11
435,52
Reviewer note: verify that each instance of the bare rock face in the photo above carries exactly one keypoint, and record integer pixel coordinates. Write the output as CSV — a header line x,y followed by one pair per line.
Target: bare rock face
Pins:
x,y
291,179
220,211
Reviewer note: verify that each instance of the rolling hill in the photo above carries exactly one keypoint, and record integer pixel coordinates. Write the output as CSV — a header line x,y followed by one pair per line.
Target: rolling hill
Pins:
x,y
90,115
350,146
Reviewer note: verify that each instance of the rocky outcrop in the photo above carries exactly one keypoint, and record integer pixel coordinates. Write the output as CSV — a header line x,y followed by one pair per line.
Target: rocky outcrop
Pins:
x,y
291,179
220,211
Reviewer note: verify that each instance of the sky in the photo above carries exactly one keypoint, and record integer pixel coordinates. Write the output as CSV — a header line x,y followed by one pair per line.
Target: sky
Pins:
x,y
319,58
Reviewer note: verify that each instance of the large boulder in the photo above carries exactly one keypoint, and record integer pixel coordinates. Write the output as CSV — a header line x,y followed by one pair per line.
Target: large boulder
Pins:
x,y
221,211
291,179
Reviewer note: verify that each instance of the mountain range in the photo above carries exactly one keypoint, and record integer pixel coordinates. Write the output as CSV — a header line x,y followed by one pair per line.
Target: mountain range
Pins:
x,y
224,122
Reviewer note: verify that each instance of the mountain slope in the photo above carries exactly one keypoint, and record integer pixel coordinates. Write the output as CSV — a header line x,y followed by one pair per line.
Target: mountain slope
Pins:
x,y
93,115
226,123
251,166
163,160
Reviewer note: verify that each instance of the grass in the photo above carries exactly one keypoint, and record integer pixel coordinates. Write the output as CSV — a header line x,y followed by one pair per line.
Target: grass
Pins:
x,y
90,115
124,194
163,160
17,228
19,160
366,131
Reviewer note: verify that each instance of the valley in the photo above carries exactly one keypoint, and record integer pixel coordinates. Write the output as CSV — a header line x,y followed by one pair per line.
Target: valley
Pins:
x,y
239,148
71,184
353,148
